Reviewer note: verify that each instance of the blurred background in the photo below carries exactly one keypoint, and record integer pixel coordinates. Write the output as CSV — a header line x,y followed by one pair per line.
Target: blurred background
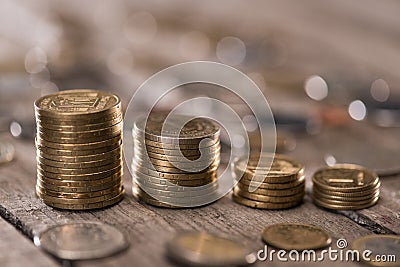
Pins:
x,y
321,64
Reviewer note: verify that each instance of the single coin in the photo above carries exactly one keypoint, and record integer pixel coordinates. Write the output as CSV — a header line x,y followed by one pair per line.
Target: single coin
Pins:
x,y
78,171
138,142
61,200
82,146
269,199
89,206
264,205
82,241
211,150
173,176
77,153
79,165
7,152
268,165
42,126
345,178
78,140
273,186
82,121
379,245
205,157
344,207
203,249
82,177
74,183
323,196
156,127
355,194
274,192
79,134
115,153
79,195
78,189
174,170
77,103
294,236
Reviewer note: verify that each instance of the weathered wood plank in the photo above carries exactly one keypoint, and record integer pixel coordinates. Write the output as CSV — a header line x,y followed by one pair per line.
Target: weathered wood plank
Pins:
x,y
19,251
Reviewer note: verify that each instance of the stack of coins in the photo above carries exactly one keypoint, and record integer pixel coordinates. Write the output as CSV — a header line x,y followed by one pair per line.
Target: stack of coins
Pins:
x,y
79,154
345,187
175,161
280,179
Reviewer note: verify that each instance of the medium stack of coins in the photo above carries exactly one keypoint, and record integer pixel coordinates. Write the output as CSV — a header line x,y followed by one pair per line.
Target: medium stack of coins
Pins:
x,y
79,154
280,179
175,161
345,187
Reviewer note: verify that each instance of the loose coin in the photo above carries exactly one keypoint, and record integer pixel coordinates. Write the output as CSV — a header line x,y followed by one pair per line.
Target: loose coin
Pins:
x,y
293,236
7,152
82,241
203,249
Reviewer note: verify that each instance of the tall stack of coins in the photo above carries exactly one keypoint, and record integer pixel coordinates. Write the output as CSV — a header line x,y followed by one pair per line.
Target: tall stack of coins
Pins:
x,y
345,187
282,185
79,154
175,161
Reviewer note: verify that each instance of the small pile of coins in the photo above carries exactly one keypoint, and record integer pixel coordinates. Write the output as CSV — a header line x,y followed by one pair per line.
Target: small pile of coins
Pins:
x,y
79,154
175,160
345,187
280,181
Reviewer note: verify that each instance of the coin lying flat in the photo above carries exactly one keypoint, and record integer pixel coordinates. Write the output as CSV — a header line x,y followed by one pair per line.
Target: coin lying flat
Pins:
x,y
203,249
290,236
7,152
82,241
79,153
379,245
345,187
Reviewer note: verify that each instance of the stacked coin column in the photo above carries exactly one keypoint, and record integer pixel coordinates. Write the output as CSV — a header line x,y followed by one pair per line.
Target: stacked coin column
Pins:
x,y
179,167
281,185
79,154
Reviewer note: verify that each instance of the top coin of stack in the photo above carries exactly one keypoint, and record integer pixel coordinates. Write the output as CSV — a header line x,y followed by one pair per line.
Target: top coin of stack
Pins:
x,y
282,184
79,154
175,160
345,187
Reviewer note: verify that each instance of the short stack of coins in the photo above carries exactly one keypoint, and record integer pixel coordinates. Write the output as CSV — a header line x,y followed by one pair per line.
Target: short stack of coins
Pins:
x,y
268,181
175,160
79,153
345,187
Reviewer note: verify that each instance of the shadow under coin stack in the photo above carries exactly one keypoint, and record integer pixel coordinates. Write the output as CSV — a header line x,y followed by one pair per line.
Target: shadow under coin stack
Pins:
x,y
79,154
345,187
282,185
177,168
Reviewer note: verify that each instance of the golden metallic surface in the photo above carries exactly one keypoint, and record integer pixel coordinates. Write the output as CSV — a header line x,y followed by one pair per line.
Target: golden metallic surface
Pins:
x,y
348,206
78,153
81,177
75,183
207,158
175,170
177,146
173,176
75,122
264,205
291,236
78,189
273,192
163,181
269,199
115,153
104,124
79,195
110,131
356,194
328,196
88,170
264,185
81,146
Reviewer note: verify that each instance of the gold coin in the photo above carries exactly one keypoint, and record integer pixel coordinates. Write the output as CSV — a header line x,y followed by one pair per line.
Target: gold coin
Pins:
x,y
246,177
75,195
195,165
379,245
207,192
60,200
75,183
268,165
148,143
79,128
142,178
172,187
78,140
318,194
89,206
264,205
212,150
345,202
152,201
81,177
78,189
150,155
77,153
172,176
79,165
76,104
63,121
115,153
269,199
362,193
7,152
294,236
83,146
178,127
81,134
345,178
205,142
274,192
267,186
78,171
344,207
174,170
